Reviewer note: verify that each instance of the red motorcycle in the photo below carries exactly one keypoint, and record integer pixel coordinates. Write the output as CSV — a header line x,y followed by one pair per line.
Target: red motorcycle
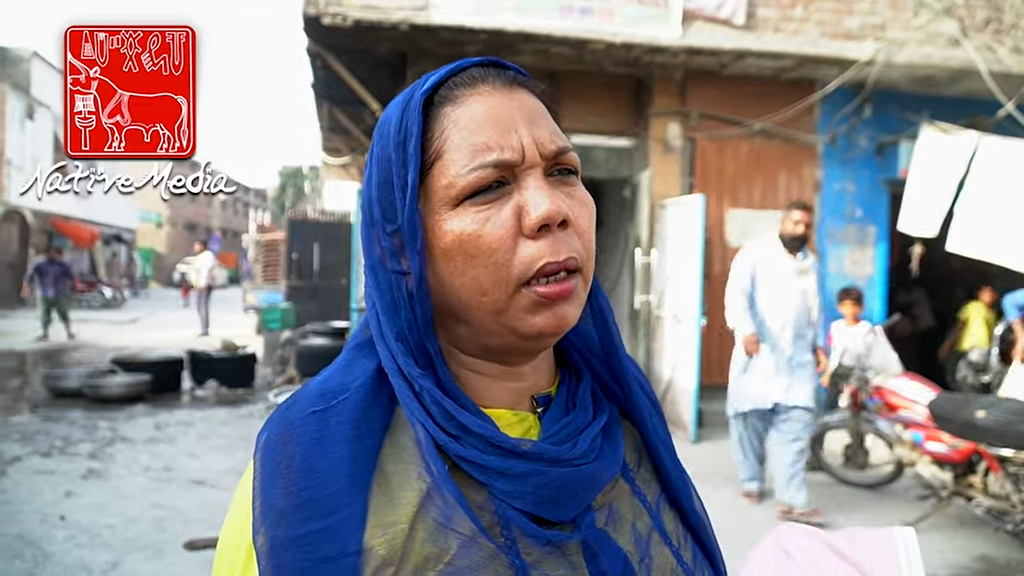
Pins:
x,y
94,293
967,446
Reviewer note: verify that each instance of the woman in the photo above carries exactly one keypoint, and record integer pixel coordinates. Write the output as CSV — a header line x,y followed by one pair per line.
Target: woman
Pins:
x,y
485,418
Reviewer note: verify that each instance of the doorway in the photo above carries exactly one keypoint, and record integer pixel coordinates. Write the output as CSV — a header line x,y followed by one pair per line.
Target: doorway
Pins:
x,y
608,176
14,237
931,300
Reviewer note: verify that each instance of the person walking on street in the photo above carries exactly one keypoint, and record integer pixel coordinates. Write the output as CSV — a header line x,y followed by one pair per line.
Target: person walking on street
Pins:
x,y
201,277
772,305
180,278
54,279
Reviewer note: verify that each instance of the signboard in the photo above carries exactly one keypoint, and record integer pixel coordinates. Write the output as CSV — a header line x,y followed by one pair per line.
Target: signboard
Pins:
x,y
745,224
623,18
151,217
732,12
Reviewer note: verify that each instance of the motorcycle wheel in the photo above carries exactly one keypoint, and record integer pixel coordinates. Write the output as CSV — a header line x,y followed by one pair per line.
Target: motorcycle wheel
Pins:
x,y
119,298
852,476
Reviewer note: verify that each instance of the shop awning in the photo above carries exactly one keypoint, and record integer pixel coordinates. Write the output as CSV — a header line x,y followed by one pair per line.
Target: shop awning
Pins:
x,y
81,235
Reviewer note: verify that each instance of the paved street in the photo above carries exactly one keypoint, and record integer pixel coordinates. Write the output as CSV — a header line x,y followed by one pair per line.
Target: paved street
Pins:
x,y
116,490
88,489
954,542
156,319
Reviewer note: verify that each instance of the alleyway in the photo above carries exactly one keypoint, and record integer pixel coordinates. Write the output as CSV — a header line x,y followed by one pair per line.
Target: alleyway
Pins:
x,y
116,490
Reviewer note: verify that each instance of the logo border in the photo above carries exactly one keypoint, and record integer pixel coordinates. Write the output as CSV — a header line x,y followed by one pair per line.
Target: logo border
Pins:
x,y
189,153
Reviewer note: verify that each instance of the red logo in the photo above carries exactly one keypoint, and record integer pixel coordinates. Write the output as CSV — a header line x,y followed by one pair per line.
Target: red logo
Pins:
x,y
130,92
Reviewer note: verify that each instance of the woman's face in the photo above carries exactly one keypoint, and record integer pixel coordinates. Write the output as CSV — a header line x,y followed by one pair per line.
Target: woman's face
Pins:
x,y
509,227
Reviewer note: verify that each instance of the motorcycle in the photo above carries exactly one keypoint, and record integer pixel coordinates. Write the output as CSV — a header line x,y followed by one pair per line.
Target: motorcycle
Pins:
x,y
960,445
96,294
982,370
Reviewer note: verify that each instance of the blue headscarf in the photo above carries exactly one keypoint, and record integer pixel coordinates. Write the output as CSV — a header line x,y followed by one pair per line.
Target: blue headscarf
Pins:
x,y
316,455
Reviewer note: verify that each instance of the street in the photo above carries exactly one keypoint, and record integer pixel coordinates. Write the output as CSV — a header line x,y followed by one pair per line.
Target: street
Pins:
x,y
93,489
116,490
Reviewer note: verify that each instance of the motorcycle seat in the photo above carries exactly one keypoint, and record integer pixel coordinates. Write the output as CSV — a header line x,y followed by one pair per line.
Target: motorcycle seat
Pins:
x,y
981,418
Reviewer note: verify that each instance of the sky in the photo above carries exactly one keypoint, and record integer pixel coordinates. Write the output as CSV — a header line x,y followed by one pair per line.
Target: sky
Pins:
x,y
255,110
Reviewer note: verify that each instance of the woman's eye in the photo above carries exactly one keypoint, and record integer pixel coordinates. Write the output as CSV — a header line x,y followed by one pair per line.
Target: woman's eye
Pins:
x,y
564,172
492,187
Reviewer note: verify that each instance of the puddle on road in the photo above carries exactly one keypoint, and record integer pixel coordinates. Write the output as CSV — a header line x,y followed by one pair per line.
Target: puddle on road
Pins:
x,y
22,390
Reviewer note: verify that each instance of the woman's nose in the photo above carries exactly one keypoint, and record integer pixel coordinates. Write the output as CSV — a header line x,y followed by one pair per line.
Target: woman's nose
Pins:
x,y
545,208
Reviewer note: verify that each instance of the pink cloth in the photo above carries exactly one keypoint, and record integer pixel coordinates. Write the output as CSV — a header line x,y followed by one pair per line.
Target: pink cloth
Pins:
x,y
798,550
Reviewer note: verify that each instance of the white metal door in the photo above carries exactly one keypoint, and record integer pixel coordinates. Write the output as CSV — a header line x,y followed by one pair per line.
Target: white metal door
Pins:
x,y
678,302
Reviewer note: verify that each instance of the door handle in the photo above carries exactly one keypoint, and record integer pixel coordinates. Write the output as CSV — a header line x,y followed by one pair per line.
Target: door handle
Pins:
x,y
316,260
640,281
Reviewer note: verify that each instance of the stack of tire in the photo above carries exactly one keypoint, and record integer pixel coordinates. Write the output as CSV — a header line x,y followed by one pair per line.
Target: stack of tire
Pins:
x,y
317,345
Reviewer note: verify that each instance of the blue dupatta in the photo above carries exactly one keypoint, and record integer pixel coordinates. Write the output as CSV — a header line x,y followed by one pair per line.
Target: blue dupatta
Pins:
x,y
316,455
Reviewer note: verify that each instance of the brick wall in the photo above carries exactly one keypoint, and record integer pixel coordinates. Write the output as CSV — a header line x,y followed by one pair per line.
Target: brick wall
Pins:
x,y
919,23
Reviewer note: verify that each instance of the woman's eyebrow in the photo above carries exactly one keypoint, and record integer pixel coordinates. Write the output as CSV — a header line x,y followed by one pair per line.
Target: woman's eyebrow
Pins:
x,y
563,150
499,161
495,161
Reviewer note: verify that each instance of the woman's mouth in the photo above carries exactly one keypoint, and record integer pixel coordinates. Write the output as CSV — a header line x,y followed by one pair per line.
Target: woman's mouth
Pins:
x,y
545,280
555,280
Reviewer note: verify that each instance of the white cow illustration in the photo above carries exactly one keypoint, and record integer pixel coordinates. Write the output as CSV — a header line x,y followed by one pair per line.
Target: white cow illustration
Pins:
x,y
121,111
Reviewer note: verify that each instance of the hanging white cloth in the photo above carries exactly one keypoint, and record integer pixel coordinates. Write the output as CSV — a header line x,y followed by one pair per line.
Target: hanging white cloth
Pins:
x,y
988,214
942,153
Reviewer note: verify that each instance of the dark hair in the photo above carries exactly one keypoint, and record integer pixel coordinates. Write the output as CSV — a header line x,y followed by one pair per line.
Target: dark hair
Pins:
x,y
851,294
799,206
454,89
203,244
55,250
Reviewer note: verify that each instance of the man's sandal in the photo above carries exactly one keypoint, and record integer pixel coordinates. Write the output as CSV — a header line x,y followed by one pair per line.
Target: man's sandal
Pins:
x,y
753,496
812,517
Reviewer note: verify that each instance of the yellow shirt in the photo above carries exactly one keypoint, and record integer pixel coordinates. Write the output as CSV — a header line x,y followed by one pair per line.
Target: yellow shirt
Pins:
x,y
236,555
978,323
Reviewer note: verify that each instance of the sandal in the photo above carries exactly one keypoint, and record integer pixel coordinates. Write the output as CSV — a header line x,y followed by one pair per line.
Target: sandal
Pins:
x,y
753,496
812,517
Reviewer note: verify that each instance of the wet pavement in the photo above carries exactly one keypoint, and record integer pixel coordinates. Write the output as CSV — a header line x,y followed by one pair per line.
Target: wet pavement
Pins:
x,y
117,489
89,488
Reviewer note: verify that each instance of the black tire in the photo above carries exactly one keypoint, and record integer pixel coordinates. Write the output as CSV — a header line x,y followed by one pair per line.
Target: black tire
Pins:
x,y
840,473
119,298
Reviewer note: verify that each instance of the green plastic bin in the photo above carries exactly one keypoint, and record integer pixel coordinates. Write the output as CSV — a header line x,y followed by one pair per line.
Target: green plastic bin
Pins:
x,y
277,317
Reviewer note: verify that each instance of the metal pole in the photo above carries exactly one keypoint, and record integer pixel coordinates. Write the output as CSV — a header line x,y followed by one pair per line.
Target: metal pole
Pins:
x,y
356,282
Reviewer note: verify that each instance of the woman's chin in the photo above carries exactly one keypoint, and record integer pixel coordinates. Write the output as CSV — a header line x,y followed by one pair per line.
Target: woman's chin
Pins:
x,y
551,325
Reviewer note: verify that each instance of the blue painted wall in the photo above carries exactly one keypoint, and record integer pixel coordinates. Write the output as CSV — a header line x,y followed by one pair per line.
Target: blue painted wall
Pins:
x,y
853,236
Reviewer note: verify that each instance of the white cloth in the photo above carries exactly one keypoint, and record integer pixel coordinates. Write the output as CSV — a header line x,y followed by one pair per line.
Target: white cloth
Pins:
x,y
774,294
201,269
988,212
848,343
941,155
798,550
1013,383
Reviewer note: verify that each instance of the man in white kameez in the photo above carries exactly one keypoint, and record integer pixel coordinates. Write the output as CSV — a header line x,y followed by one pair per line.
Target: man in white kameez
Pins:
x,y
773,307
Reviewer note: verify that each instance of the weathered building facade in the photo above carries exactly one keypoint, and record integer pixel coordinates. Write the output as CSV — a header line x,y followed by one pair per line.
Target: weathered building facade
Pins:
x,y
169,225
31,146
729,112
